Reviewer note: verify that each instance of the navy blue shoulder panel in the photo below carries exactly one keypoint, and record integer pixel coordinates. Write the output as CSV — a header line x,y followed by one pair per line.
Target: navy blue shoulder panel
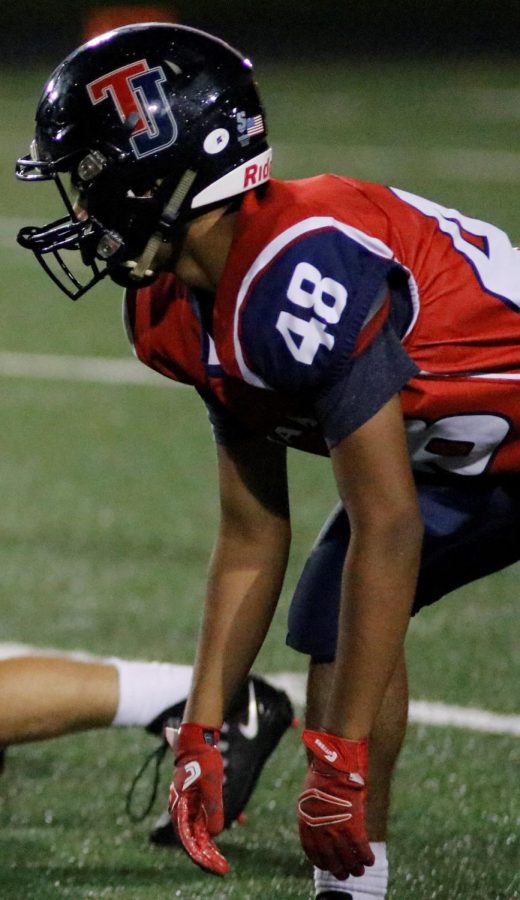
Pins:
x,y
302,315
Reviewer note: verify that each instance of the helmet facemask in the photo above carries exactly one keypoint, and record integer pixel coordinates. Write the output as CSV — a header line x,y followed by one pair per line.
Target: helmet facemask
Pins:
x,y
115,229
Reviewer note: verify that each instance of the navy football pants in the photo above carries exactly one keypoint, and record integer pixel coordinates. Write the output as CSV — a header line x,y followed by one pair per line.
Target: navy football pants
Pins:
x,y
472,528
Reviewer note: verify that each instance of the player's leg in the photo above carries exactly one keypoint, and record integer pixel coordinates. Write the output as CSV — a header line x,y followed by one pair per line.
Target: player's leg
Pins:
x,y
44,697
47,696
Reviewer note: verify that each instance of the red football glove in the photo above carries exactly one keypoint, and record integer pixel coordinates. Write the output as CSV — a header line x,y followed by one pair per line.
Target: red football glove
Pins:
x,y
195,803
331,808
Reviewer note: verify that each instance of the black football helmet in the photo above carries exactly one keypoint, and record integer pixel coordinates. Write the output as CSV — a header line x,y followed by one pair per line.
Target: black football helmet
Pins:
x,y
155,124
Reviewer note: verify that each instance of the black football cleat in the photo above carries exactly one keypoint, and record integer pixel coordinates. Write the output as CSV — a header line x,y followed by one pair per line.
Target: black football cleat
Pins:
x,y
259,715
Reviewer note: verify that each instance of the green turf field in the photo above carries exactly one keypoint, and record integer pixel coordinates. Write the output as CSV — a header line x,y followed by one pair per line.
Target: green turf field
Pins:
x,y
108,510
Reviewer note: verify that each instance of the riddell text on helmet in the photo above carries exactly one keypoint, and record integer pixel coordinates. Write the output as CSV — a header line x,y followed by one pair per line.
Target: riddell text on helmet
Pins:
x,y
256,174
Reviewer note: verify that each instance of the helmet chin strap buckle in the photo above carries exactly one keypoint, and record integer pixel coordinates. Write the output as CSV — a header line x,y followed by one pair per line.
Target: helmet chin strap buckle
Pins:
x,y
144,264
122,274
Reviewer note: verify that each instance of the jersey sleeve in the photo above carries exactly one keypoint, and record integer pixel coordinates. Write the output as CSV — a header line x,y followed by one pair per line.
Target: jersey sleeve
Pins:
x,y
301,314
373,378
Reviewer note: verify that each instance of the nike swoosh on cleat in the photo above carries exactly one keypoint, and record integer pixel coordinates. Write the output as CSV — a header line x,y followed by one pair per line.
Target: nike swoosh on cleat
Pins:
x,y
250,729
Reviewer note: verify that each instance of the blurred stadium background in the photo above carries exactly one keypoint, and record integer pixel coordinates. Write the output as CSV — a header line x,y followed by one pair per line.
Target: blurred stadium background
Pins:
x,y
108,489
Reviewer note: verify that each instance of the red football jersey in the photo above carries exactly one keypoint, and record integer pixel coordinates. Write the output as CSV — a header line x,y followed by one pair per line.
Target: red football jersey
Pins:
x,y
300,298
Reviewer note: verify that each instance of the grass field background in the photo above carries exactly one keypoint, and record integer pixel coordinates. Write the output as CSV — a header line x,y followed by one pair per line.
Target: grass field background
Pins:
x,y
108,511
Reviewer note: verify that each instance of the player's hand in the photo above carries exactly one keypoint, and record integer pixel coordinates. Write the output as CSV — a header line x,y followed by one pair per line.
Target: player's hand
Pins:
x,y
195,803
331,808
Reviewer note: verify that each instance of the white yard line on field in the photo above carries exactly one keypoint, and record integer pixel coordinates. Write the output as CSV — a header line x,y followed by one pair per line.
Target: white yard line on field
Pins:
x,y
79,368
110,370
427,713
421,711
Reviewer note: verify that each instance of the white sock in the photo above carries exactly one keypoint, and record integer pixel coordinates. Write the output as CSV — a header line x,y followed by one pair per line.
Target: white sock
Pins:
x,y
372,885
147,688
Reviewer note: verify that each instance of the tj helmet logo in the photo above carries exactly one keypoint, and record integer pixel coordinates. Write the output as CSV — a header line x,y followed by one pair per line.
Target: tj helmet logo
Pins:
x,y
138,95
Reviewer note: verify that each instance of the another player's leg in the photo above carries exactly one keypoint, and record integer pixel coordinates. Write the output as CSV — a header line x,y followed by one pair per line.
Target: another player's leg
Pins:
x,y
385,743
44,697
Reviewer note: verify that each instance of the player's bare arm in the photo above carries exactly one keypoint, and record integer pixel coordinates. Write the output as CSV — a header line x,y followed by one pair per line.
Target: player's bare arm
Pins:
x,y
375,483
246,573
380,571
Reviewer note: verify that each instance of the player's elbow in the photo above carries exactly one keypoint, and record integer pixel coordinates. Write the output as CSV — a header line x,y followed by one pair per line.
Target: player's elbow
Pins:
x,y
395,529
406,529
258,531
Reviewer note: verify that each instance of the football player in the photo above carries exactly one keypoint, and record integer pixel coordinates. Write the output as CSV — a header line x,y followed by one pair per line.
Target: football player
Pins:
x,y
334,316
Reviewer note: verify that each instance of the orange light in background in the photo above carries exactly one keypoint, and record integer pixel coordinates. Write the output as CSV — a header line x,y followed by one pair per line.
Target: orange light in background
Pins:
x,y
109,17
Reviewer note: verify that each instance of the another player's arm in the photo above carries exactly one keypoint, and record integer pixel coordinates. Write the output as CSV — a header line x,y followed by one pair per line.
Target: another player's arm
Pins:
x,y
375,483
246,573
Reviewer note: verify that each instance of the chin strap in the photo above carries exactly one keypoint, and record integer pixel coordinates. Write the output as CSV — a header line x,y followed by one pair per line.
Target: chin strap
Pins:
x,y
142,267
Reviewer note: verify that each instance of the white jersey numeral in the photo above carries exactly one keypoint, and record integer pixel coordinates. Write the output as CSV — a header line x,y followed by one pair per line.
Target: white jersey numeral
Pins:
x,y
312,335
308,289
464,445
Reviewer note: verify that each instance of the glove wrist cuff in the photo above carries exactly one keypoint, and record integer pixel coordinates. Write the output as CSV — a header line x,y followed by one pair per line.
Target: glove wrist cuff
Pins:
x,y
342,754
192,734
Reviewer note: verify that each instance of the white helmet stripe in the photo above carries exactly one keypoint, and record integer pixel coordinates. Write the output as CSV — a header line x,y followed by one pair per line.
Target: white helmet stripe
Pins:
x,y
249,175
